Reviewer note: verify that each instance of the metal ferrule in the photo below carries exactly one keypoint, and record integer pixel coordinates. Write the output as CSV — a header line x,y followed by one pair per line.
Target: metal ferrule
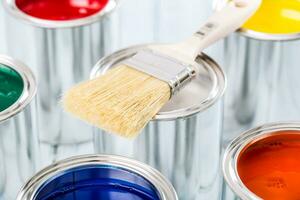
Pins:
x,y
182,78
177,74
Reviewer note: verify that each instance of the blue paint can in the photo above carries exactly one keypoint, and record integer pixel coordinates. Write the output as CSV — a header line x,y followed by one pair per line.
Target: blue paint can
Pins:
x,y
98,177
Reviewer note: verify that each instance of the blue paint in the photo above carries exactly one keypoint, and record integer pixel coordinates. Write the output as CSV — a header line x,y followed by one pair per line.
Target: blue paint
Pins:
x,y
97,182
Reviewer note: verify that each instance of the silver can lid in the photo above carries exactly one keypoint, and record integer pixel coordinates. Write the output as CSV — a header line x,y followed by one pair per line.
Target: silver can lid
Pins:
x,y
197,96
123,169
18,85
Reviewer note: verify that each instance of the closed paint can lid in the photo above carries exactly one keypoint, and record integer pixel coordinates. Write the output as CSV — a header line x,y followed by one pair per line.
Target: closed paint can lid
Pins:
x,y
195,97
17,87
98,177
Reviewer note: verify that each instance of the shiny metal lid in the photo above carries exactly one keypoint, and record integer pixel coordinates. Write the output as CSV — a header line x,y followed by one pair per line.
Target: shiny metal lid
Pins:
x,y
197,96
234,149
11,7
29,87
164,187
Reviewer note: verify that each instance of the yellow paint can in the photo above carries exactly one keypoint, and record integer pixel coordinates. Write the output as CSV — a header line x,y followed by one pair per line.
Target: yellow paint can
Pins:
x,y
276,17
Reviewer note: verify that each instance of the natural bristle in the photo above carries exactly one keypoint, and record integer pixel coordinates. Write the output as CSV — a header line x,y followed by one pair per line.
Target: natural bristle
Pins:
x,y
122,101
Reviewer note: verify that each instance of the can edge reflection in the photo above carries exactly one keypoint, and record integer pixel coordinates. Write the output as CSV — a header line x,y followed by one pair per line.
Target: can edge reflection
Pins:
x,y
218,4
12,9
216,94
29,90
161,184
230,158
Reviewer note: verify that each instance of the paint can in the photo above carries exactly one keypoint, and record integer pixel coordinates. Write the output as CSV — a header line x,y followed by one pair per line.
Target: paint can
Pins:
x,y
261,163
262,68
98,177
19,148
183,140
160,21
61,41
2,32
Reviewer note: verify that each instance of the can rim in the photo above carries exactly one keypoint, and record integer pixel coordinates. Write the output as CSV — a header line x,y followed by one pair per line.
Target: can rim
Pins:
x,y
217,92
229,165
163,186
218,4
12,9
29,88
268,36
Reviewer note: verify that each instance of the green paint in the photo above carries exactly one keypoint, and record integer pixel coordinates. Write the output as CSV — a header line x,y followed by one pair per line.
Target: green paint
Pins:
x,y
11,87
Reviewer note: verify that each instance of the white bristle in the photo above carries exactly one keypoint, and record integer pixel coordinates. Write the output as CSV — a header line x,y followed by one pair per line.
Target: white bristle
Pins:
x,y
122,101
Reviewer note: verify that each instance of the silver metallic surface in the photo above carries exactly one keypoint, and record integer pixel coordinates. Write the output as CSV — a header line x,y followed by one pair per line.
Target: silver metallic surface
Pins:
x,y
263,83
183,142
164,188
2,32
61,55
238,144
19,148
210,76
167,21
165,68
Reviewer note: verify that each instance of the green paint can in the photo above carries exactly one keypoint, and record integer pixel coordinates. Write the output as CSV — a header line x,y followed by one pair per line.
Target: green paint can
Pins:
x,y
11,87
18,126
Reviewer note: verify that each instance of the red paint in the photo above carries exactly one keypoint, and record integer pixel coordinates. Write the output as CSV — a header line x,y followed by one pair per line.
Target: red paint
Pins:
x,y
270,167
61,9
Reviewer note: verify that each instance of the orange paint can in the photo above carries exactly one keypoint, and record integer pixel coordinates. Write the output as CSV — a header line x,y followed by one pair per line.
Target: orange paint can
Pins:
x,y
263,163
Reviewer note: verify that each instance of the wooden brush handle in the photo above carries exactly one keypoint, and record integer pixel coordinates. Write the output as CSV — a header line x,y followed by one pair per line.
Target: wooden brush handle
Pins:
x,y
228,19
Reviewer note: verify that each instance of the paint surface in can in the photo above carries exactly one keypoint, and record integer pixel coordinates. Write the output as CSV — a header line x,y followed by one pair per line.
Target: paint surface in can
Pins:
x,y
269,167
11,87
277,17
61,9
97,182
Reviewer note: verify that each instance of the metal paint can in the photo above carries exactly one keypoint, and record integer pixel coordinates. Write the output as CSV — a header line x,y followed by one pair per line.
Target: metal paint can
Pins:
x,y
61,53
19,149
164,21
160,21
2,32
183,140
262,76
98,177
267,139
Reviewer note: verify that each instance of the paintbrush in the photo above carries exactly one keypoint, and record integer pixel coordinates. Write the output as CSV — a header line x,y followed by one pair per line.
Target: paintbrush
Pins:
x,y
127,97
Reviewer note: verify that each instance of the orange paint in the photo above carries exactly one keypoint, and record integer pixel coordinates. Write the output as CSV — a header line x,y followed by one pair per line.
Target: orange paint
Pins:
x,y
270,167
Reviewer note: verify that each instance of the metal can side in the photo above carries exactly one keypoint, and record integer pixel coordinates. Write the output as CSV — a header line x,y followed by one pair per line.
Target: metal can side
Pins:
x,y
183,139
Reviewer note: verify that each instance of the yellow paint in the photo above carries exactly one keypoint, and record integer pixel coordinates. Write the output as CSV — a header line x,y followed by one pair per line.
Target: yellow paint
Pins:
x,y
277,17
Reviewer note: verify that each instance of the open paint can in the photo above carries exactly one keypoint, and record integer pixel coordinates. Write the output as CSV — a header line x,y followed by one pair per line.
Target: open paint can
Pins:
x,y
61,40
263,163
93,177
19,149
183,140
262,65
